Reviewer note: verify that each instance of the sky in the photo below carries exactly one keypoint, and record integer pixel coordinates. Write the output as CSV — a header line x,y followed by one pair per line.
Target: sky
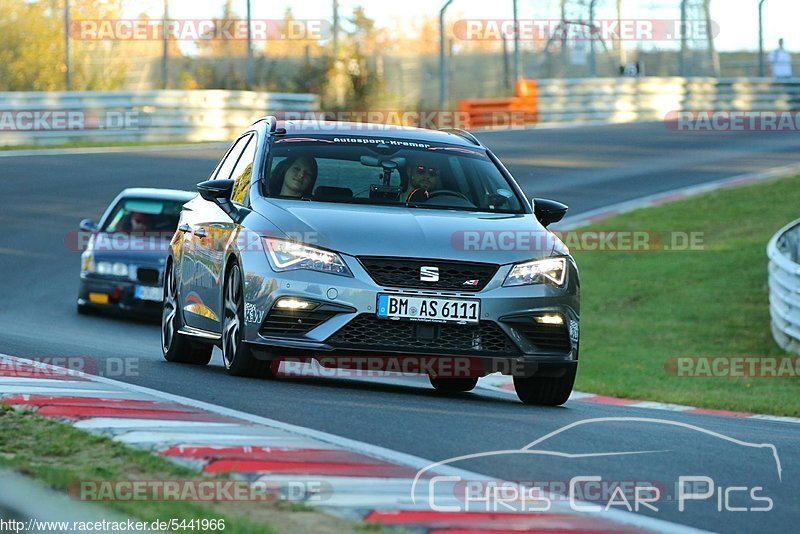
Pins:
x,y
737,19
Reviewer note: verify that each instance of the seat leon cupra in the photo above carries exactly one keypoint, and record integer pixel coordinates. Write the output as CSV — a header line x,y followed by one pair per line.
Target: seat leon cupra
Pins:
x,y
373,247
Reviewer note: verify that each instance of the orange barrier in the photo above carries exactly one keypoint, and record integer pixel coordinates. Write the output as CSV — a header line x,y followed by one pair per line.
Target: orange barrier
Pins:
x,y
497,112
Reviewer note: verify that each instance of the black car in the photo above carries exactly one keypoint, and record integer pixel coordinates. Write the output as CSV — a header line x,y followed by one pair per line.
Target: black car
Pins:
x,y
123,264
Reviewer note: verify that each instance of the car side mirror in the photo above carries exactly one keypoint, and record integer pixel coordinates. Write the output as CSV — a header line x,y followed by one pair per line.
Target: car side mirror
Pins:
x,y
219,192
88,225
548,211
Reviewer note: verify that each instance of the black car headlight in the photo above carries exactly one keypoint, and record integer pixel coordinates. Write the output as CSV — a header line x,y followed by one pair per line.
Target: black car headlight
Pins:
x,y
289,256
547,271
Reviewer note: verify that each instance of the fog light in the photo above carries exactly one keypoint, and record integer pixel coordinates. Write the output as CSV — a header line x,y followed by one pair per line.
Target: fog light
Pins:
x,y
293,304
549,319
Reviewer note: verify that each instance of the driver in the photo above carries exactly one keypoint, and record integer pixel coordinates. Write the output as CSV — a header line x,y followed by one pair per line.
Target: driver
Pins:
x,y
424,177
140,222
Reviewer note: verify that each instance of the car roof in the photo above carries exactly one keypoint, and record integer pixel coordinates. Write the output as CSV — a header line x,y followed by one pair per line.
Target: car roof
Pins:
x,y
364,129
158,194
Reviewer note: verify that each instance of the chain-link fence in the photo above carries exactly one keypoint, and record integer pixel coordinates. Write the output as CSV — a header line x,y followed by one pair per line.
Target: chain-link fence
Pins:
x,y
355,61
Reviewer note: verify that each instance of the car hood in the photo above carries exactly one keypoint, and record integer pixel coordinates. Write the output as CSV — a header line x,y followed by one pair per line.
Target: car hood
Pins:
x,y
131,249
414,232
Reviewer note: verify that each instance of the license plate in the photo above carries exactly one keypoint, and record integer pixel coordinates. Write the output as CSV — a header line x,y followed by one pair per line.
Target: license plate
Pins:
x,y
98,298
155,294
437,310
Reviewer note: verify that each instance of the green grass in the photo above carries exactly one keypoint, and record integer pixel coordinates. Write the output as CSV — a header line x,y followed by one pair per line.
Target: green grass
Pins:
x,y
60,455
641,308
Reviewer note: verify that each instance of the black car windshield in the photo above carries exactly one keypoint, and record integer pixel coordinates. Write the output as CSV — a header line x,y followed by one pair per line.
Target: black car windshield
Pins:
x,y
143,215
387,171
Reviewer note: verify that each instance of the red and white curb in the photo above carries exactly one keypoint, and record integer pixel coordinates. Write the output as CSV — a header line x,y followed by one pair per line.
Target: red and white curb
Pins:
x,y
361,481
505,384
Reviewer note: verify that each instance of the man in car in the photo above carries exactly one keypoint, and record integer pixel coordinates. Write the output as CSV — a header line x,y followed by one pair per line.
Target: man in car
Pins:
x,y
424,177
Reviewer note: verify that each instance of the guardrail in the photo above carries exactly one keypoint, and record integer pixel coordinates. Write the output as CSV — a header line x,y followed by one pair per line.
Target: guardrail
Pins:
x,y
651,98
783,252
41,118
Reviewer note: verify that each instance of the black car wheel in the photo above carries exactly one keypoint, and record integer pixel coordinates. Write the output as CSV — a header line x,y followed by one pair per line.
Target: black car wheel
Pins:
x,y
453,385
546,391
178,347
238,358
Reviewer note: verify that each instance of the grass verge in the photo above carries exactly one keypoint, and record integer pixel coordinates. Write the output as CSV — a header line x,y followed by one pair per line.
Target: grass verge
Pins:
x,y
639,309
59,455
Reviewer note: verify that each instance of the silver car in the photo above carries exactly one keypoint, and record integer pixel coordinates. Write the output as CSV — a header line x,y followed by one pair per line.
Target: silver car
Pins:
x,y
375,247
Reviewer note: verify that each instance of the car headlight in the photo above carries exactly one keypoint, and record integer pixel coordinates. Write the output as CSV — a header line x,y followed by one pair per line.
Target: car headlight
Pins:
x,y
289,256
547,271
108,268
87,262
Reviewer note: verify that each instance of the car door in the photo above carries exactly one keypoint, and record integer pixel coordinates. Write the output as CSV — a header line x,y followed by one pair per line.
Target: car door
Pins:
x,y
200,269
214,231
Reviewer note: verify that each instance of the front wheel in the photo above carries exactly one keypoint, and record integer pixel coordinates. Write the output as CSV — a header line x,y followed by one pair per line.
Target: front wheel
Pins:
x,y
178,347
237,356
546,390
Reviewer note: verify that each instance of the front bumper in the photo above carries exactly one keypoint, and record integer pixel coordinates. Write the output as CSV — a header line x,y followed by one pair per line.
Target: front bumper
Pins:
x,y
506,340
120,295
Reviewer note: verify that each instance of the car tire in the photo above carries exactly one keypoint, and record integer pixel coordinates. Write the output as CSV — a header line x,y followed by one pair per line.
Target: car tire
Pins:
x,y
546,390
453,385
83,309
177,347
237,356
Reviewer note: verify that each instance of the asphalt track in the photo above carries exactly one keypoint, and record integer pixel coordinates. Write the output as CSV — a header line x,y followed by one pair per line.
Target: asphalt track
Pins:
x,y
588,168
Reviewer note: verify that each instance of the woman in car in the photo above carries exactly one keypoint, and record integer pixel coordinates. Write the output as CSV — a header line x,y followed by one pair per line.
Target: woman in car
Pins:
x,y
294,177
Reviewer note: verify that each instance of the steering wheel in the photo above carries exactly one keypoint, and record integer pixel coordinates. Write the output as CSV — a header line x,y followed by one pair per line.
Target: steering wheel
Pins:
x,y
448,193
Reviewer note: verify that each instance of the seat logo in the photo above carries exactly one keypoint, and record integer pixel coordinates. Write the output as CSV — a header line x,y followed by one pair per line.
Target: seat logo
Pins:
x,y
429,274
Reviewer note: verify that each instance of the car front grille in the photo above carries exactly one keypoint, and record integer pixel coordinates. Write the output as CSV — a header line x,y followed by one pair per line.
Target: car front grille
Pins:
x,y
147,276
453,275
546,337
367,332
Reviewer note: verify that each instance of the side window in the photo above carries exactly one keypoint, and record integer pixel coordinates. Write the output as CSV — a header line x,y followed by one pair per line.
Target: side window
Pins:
x,y
242,172
225,168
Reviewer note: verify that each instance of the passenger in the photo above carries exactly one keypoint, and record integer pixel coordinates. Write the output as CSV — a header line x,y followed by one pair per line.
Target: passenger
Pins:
x,y
295,177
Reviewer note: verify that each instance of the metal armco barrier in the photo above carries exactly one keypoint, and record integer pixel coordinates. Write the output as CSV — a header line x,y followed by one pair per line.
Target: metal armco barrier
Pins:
x,y
42,118
783,252
641,99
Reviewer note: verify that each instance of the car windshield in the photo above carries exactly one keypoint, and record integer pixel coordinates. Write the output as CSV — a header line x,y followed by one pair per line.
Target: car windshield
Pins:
x,y
144,215
387,171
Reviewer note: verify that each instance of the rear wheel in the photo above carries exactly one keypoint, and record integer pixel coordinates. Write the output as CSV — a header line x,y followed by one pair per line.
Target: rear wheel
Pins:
x,y
453,385
546,390
238,358
177,347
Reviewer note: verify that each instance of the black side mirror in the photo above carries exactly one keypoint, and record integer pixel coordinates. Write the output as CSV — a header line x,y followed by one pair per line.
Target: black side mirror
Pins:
x,y
548,211
219,192
88,225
